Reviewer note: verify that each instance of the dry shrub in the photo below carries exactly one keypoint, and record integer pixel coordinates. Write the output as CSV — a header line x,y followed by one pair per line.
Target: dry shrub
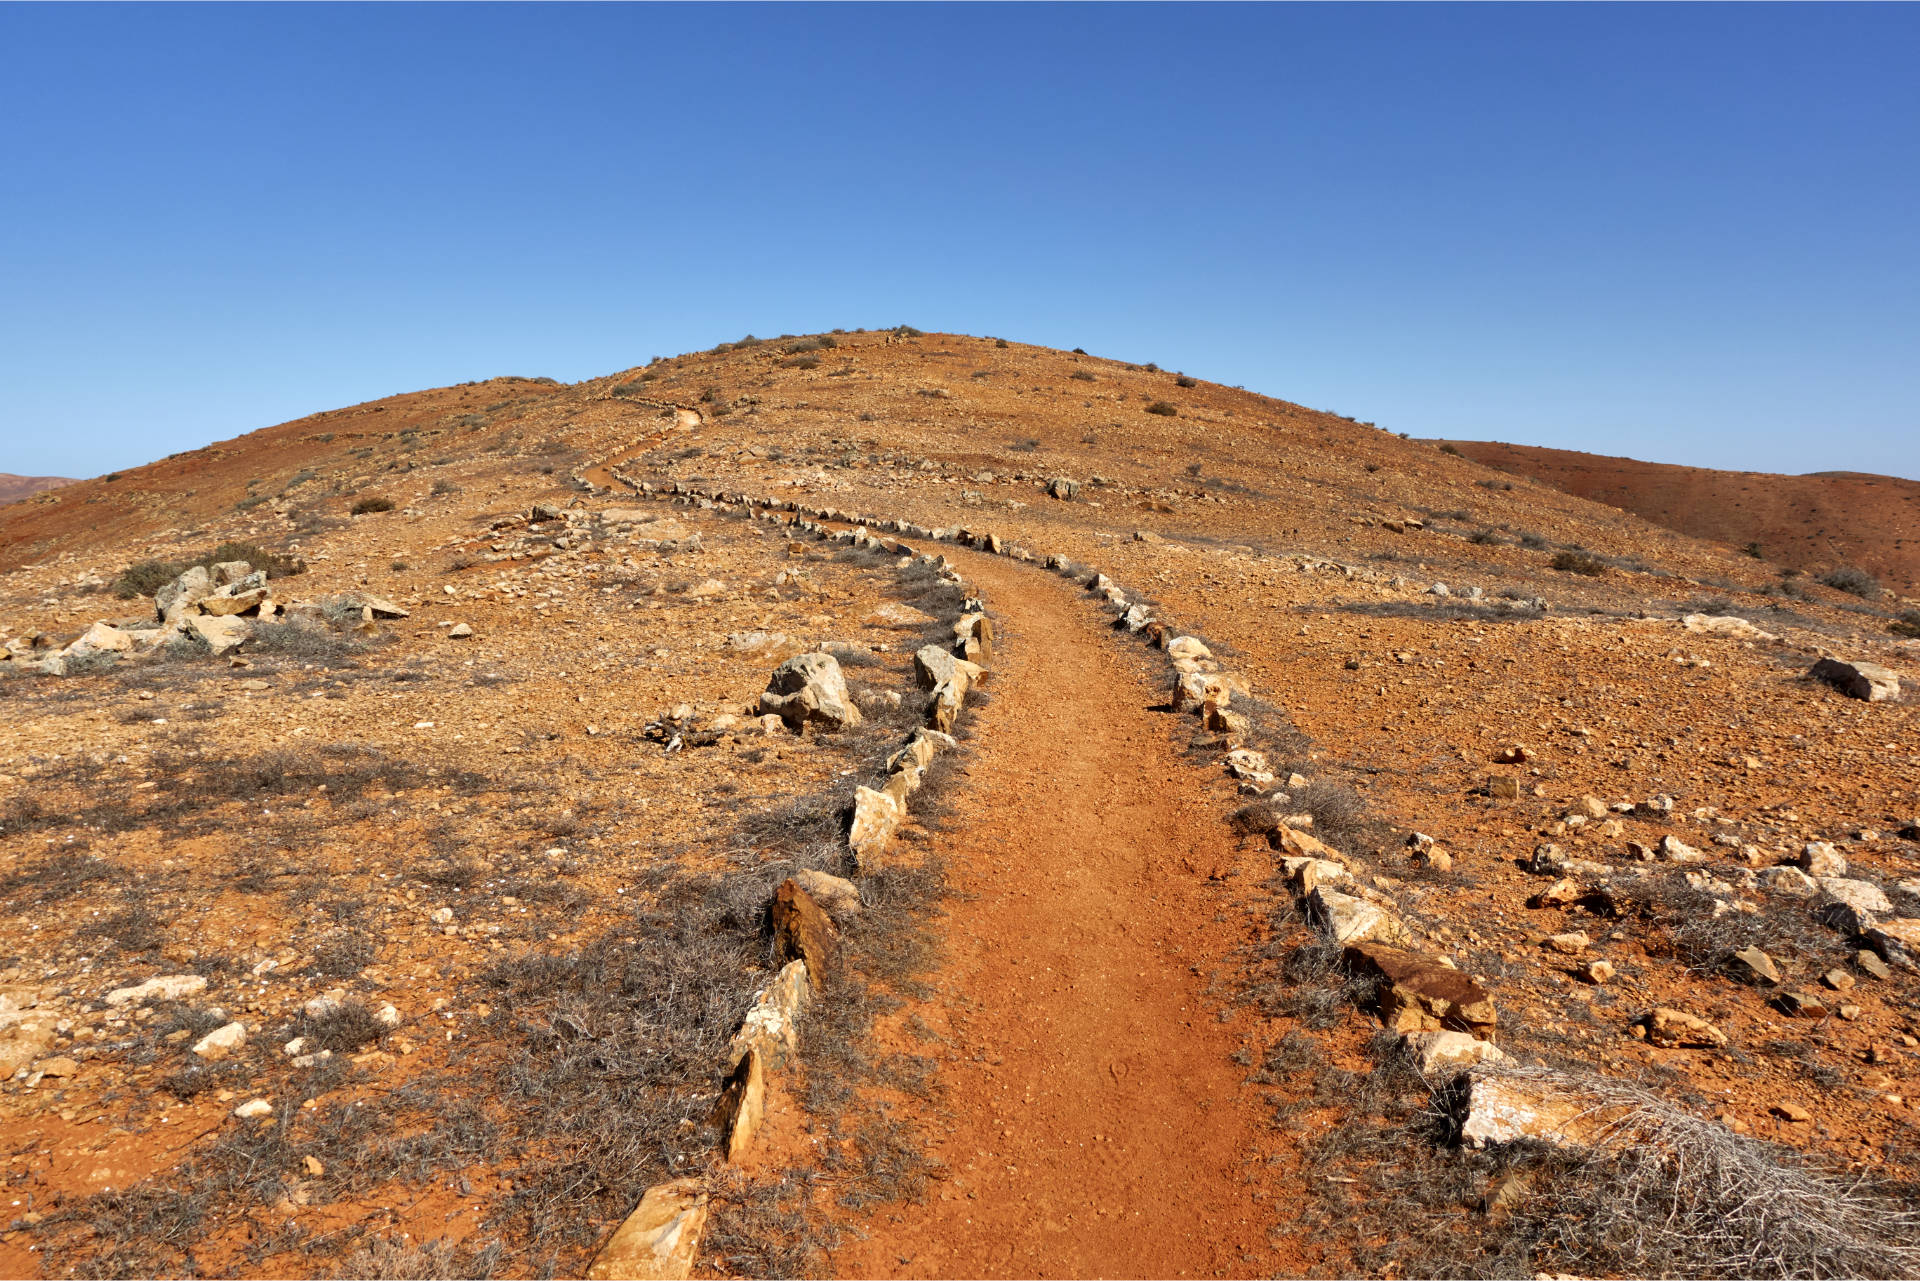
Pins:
x,y
396,1259
1662,1192
1580,563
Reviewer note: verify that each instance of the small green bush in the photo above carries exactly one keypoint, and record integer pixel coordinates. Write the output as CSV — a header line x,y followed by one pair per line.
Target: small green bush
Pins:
x,y
1164,409
367,506
1450,449
1081,376
1580,563
1181,380
1000,342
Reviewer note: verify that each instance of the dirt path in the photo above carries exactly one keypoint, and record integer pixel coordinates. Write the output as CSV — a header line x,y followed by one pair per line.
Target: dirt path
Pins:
x,y
1099,1127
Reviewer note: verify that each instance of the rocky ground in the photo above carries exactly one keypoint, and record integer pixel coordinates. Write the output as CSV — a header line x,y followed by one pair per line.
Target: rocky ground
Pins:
x,y
444,850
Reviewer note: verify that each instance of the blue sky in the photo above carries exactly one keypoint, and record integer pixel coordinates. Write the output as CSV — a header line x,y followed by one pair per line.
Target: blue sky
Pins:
x,y
1686,234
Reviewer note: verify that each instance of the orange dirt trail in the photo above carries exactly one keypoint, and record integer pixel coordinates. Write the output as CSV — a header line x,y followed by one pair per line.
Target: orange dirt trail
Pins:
x,y
1098,1125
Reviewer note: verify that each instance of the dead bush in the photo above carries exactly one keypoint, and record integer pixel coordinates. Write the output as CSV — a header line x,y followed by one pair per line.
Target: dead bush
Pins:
x,y
1853,581
1574,562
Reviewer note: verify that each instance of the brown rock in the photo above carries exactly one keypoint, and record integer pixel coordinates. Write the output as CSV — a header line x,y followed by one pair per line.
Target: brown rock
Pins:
x,y
742,1105
837,895
1802,1004
1417,995
1754,965
1681,1030
802,932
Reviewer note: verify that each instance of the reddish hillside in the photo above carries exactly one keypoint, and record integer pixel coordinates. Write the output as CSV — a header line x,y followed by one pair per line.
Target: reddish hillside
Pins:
x,y
14,488
1806,522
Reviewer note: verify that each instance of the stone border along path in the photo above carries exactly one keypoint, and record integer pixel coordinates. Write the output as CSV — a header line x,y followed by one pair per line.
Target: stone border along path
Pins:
x,y
661,1237
1446,1020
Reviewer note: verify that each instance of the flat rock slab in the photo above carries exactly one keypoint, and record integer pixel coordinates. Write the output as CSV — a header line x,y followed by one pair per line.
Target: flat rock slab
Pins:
x,y
659,1240
1418,995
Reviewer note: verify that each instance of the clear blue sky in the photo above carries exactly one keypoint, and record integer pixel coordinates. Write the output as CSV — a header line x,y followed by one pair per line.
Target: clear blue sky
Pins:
x,y
1685,234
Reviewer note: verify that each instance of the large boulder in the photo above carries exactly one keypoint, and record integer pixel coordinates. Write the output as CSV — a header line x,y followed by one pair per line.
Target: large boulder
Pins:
x,y
1851,906
973,638
226,572
243,595
809,687
219,633
101,638
1504,1109
1345,918
175,601
1445,1052
1419,995
1858,679
933,667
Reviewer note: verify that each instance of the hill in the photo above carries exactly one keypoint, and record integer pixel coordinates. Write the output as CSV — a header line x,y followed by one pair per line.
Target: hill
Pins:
x,y
1817,522
899,803
14,488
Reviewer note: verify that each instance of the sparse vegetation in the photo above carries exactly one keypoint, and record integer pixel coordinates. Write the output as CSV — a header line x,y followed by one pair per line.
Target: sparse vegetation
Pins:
x,y
1852,581
1163,408
368,506
144,578
1576,562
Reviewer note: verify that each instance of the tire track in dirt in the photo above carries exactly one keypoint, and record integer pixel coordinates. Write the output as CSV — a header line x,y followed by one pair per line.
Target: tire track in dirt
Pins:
x,y
1098,1126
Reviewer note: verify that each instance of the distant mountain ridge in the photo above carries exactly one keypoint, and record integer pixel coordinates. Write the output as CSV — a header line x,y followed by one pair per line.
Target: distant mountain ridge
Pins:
x,y
1814,522
14,488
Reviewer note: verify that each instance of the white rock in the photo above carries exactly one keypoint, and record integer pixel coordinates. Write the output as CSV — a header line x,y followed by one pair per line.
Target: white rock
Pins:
x,y
1346,919
1869,681
1724,625
1438,1052
221,1042
1789,880
252,1108
1819,858
168,987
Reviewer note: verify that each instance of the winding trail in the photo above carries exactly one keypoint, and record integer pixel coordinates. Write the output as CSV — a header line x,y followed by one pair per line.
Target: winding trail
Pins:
x,y
1098,1124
